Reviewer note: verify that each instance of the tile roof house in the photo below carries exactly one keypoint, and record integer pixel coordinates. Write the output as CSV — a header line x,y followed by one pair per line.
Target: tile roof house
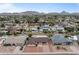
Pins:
x,y
60,39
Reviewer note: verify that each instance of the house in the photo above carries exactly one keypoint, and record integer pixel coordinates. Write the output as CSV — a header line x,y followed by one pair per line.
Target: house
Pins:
x,y
15,29
38,39
59,39
3,30
75,38
25,26
33,28
9,24
45,27
58,28
78,38
15,40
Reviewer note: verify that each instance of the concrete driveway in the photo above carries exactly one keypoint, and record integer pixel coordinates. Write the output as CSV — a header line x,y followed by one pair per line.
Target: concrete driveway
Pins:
x,y
74,49
17,50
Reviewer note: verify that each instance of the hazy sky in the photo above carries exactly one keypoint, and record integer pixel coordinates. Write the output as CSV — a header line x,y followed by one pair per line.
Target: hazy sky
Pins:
x,y
40,7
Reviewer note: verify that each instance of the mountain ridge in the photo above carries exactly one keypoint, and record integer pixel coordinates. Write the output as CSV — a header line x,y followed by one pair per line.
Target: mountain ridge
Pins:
x,y
39,13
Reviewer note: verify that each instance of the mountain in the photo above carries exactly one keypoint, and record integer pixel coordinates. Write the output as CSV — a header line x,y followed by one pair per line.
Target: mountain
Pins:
x,y
53,13
61,13
7,14
30,13
65,13
75,13
24,13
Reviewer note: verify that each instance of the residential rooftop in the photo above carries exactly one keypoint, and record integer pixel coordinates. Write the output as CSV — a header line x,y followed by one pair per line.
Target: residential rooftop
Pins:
x,y
39,36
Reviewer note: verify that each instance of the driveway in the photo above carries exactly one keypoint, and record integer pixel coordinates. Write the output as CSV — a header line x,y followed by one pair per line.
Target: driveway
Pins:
x,y
17,50
74,49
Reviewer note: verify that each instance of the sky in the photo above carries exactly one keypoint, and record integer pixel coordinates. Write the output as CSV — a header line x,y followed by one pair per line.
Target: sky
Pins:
x,y
40,7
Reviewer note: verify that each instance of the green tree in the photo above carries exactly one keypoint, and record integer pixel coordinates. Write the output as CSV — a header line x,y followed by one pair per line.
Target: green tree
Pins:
x,y
29,35
36,19
38,28
17,21
2,25
69,29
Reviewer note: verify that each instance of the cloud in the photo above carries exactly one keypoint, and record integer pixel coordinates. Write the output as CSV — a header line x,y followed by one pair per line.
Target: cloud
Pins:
x,y
4,6
9,8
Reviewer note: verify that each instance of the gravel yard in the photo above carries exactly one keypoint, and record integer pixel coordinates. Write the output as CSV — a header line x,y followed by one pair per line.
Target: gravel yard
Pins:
x,y
8,49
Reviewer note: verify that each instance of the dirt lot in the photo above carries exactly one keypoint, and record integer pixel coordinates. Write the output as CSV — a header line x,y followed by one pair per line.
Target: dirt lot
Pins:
x,y
40,48
48,48
75,49
8,49
61,48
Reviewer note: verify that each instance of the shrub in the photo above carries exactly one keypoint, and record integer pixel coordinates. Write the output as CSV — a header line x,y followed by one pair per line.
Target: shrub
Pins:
x,y
30,35
58,47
